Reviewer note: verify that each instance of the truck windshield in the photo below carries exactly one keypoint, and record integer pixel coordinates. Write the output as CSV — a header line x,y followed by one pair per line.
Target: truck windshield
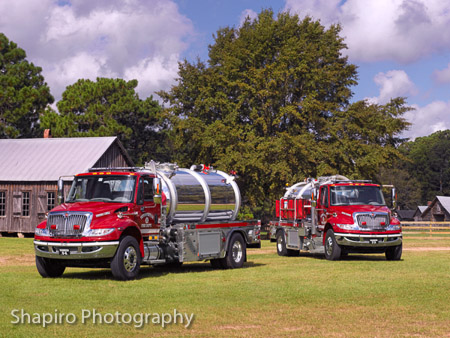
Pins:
x,y
356,195
109,188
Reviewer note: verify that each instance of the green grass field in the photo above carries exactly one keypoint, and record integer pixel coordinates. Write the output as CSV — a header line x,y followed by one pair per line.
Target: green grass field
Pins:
x,y
362,296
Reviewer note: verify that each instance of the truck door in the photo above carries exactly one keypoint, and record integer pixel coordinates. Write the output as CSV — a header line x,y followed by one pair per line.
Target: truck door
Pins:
x,y
148,210
323,207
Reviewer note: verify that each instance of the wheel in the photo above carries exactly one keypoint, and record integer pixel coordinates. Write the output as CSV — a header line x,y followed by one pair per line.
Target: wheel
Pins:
x,y
127,261
394,253
48,267
332,249
281,244
236,252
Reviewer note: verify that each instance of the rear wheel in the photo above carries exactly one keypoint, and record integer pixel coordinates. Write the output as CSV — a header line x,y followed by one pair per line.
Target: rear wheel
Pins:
x,y
281,244
332,249
394,253
236,253
48,267
127,260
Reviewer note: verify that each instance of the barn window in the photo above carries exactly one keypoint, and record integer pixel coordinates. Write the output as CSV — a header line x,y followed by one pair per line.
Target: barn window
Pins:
x,y
25,203
2,203
51,197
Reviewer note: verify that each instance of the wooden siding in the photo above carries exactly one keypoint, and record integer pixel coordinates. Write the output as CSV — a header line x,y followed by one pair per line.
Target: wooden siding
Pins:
x,y
113,157
14,221
437,213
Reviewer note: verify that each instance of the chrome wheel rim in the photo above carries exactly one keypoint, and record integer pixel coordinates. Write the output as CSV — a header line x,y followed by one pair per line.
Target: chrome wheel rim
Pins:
x,y
279,244
130,259
329,246
237,251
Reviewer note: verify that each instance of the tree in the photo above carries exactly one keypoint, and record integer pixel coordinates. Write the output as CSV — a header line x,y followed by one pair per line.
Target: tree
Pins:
x,y
110,107
429,162
24,95
364,138
272,103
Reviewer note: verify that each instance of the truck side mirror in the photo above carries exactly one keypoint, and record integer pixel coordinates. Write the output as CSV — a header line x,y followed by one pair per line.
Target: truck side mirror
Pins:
x,y
60,191
157,194
394,199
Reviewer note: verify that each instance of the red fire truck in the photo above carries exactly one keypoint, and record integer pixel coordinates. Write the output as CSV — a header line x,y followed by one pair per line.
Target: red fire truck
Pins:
x,y
336,216
160,214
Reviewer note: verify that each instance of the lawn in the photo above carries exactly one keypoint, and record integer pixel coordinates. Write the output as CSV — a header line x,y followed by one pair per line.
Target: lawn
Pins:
x,y
362,296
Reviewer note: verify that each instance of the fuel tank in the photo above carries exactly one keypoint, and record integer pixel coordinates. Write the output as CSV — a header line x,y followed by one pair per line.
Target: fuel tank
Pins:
x,y
197,195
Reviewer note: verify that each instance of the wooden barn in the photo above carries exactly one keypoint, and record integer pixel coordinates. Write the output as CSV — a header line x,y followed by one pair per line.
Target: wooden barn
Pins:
x,y
30,169
438,210
418,213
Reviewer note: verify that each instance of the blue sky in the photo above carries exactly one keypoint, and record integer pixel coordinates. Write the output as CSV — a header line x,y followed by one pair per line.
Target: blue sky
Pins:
x,y
401,47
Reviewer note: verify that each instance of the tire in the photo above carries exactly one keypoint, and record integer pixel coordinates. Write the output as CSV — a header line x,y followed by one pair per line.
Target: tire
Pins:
x,y
332,249
281,244
394,253
48,267
127,261
236,253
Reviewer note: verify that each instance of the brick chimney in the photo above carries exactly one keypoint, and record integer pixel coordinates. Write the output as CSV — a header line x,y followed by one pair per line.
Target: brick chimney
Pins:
x,y
47,133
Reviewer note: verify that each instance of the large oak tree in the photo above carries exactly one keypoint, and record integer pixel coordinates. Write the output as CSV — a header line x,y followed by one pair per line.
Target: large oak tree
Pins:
x,y
272,103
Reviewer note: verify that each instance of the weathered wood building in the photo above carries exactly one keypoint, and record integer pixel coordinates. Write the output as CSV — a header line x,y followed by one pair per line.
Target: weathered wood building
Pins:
x,y
30,169
438,210
418,213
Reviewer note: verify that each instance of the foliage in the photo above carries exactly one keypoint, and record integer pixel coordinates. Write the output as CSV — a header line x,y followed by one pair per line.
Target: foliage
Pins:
x,y
429,163
110,107
408,187
24,95
273,104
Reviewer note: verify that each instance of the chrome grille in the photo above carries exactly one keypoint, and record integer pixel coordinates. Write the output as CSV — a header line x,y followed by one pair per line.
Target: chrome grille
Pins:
x,y
372,220
67,223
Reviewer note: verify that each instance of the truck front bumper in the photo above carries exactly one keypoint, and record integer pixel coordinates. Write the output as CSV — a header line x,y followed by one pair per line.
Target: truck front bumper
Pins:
x,y
367,240
75,250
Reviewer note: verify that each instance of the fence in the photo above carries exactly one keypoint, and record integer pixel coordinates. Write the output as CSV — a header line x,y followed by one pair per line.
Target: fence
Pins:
x,y
426,227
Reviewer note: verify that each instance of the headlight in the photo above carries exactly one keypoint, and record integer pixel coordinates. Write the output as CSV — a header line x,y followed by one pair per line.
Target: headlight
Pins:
x,y
348,226
395,227
99,232
42,232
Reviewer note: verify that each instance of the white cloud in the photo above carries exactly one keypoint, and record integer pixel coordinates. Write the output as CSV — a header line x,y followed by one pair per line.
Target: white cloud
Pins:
x,y
247,13
374,30
393,83
442,76
428,119
106,38
154,73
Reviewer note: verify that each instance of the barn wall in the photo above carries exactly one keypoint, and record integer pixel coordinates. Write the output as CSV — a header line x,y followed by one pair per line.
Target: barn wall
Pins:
x,y
14,220
113,157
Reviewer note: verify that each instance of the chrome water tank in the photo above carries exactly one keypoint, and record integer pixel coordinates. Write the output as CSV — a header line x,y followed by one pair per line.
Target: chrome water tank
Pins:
x,y
199,196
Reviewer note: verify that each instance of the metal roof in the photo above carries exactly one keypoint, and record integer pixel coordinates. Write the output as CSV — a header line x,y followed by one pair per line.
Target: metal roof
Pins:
x,y
47,159
445,202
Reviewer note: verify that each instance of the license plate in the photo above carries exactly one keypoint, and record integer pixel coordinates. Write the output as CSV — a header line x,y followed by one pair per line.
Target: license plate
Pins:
x,y
64,252
373,241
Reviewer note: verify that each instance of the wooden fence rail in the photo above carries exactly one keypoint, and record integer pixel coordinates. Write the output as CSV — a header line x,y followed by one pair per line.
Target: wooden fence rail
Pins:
x,y
426,227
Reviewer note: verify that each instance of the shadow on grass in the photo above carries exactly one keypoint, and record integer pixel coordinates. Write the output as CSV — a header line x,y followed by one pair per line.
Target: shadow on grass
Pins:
x,y
149,271
350,257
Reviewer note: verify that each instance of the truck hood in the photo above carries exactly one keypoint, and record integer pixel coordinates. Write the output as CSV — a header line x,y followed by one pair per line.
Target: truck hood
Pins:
x,y
350,209
94,207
